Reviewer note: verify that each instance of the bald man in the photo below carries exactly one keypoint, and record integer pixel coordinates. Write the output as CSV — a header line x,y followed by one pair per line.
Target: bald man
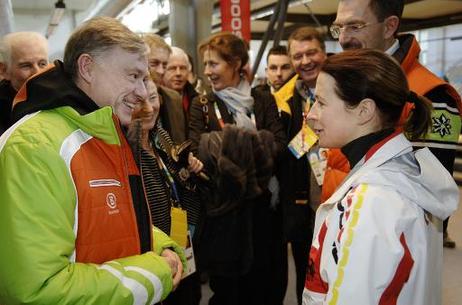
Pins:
x,y
22,54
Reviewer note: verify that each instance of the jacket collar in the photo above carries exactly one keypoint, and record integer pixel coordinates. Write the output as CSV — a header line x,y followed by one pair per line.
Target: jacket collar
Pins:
x,y
356,149
101,123
408,53
7,92
51,89
392,146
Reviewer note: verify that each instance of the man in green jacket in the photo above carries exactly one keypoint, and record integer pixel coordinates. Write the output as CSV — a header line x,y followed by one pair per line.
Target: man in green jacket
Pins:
x,y
74,223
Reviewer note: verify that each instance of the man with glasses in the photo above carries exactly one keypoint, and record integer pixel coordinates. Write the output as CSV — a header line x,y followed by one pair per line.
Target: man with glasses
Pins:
x,y
367,24
374,24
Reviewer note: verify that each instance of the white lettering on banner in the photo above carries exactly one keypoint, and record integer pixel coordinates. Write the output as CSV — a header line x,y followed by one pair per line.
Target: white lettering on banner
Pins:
x,y
236,21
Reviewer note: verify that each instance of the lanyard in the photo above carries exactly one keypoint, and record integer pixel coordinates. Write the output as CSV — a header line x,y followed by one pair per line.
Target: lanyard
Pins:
x,y
308,103
218,114
304,121
170,179
220,118
306,109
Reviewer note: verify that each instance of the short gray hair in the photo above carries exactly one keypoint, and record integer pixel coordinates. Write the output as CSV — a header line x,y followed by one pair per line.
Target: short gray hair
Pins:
x,y
11,40
181,53
97,36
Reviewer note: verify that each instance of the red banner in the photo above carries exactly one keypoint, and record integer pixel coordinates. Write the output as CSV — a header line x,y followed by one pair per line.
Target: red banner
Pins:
x,y
235,17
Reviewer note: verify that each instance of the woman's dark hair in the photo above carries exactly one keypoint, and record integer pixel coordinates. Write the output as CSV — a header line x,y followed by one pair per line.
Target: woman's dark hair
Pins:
x,y
367,73
230,47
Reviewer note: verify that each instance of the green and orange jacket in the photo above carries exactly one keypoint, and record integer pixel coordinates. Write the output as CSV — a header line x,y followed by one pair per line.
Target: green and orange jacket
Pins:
x,y
71,225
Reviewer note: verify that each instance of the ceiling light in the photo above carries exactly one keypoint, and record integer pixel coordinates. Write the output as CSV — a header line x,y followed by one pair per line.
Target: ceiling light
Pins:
x,y
56,17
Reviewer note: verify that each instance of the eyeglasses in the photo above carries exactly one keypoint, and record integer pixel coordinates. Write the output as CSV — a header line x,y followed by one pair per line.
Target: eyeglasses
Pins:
x,y
336,29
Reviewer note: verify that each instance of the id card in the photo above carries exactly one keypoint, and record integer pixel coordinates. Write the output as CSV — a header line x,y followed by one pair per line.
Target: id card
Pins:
x,y
179,226
303,141
190,261
318,162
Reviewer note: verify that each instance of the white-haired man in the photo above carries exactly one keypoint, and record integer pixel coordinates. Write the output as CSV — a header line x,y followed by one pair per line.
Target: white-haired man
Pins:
x,y
176,78
22,54
171,115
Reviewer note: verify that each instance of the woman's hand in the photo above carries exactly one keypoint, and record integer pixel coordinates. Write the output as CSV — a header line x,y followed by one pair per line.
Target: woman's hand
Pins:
x,y
175,264
194,164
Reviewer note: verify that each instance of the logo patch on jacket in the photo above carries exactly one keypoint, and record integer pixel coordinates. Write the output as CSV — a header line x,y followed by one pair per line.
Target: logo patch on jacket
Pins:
x,y
111,201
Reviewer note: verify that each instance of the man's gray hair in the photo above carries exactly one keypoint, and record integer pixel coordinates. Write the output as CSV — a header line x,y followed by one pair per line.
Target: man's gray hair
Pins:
x,y
181,53
12,40
97,36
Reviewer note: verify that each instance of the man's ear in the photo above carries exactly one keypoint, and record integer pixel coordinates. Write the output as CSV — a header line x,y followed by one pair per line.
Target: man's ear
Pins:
x,y
391,26
85,66
365,111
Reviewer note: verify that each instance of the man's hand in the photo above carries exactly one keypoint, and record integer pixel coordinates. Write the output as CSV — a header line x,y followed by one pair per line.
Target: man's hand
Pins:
x,y
175,264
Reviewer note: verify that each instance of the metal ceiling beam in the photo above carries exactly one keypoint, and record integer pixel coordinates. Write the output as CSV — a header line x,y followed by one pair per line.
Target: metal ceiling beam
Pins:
x,y
269,32
306,18
107,8
289,29
408,25
6,17
299,20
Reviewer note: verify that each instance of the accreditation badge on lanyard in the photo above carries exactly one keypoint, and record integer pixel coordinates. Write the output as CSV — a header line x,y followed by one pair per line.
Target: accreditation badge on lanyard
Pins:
x,y
190,260
318,163
178,217
179,226
304,139
179,232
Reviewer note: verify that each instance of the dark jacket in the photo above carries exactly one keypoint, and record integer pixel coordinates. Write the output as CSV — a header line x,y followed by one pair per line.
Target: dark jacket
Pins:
x,y
266,117
240,235
294,179
171,114
7,94
189,93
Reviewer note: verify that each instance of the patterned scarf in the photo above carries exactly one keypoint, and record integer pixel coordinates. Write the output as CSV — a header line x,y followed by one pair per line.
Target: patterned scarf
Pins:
x,y
240,103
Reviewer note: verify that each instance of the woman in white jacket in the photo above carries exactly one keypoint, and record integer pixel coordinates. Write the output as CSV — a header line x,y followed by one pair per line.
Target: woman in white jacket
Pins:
x,y
378,238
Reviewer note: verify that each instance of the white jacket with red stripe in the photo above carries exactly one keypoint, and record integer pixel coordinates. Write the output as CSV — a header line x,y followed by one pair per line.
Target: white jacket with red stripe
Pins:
x,y
378,238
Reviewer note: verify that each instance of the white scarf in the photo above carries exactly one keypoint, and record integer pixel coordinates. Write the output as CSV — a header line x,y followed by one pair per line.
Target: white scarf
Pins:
x,y
240,103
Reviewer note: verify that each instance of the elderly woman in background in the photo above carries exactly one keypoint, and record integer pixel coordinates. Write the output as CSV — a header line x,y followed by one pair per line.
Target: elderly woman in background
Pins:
x,y
238,135
169,184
